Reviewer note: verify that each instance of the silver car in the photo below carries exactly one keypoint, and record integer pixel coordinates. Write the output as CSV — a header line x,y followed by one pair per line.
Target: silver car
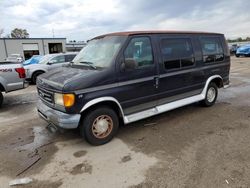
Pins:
x,y
12,77
47,63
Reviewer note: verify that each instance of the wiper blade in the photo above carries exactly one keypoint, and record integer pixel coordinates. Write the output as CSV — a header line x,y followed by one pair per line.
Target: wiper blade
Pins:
x,y
90,64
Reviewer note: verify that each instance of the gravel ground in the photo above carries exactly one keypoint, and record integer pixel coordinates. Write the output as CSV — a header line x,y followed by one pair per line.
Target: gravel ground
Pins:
x,y
187,147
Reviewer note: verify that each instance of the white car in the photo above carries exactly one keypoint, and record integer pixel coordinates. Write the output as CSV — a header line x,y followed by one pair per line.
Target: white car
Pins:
x,y
47,63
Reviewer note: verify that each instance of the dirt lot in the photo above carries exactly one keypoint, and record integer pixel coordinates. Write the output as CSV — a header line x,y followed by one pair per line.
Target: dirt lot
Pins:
x,y
188,147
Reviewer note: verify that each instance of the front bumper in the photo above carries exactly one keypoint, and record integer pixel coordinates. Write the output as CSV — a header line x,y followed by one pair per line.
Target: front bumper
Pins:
x,y
55,117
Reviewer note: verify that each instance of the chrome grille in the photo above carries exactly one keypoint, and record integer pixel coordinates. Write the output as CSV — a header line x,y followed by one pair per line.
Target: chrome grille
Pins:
x,y
45,96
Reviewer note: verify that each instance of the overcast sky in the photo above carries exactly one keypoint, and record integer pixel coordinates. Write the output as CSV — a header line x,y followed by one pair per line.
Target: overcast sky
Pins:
x,y
84,19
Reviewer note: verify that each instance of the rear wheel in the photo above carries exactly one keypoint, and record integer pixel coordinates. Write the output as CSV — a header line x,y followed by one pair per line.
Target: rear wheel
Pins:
x,y
211,95
1,99
99,125
237,55
34,77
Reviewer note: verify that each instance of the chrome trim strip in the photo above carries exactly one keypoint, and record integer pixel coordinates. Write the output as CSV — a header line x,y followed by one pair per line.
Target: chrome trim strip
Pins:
x,y
109,86
136,81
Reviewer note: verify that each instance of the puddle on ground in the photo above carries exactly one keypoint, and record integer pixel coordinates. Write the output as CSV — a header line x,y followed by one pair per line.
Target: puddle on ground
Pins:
x,y
79,154
41,137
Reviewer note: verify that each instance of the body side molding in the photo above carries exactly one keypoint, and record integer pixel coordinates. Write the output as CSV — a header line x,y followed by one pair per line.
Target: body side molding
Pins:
x,y
156,110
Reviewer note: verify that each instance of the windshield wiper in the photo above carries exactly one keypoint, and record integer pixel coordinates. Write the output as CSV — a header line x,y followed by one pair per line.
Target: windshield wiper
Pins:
x,y
90,64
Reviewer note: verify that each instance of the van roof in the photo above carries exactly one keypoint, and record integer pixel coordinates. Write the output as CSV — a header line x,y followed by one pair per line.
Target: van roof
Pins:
x,y
128,33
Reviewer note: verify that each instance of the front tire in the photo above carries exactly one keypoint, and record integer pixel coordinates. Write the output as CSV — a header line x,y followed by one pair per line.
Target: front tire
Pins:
x,y
1,99
99,125
211,95
34,77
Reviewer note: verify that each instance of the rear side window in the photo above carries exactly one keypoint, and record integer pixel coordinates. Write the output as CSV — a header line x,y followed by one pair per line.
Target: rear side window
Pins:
x,y
177,53
211,49
69,58
140,50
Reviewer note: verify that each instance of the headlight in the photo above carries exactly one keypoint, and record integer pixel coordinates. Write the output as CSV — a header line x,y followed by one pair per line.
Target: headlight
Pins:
x,y
66,100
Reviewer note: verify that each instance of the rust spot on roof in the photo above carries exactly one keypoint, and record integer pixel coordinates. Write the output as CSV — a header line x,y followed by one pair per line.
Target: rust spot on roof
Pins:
x,y
128,33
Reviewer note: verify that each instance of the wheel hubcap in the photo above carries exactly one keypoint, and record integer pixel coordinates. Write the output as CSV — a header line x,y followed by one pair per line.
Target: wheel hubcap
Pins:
x,y
211,93
102,126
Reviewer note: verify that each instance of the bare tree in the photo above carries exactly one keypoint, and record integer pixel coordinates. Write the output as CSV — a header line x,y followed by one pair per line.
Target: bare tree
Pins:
x,y
19,33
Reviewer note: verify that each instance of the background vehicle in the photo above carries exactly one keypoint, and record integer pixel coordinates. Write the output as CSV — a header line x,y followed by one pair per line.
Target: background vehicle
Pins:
x,y
129,76
12,77
233,48
47,63
33,60
243,51
14,58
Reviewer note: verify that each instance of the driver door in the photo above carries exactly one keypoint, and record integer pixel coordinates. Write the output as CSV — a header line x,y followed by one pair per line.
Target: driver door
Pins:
x,y
137,86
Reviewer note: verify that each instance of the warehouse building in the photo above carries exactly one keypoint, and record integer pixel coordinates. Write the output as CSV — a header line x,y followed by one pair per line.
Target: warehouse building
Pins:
x,y
27,47
75,46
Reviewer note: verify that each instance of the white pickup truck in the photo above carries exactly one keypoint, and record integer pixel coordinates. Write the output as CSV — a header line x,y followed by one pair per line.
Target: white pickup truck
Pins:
x,y
12,77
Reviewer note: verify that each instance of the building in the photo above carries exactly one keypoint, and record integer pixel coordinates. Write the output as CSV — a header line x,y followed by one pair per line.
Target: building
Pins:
x,y
27,47
74,46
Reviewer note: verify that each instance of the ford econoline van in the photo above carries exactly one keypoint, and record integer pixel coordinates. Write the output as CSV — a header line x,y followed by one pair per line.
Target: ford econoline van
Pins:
x,y
128,76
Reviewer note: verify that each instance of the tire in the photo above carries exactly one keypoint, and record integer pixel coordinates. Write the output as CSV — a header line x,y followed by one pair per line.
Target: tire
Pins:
x,y
34,77
1,99
107,129
211,95
236,55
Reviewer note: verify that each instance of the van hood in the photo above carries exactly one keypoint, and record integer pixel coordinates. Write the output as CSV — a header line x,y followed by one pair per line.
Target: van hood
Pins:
x,y
69,79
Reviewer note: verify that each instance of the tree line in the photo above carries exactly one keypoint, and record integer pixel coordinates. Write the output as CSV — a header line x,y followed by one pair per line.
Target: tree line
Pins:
x,y
240,39
15,33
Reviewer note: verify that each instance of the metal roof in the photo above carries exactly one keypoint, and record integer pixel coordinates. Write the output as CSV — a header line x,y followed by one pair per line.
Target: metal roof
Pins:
x,y
32,38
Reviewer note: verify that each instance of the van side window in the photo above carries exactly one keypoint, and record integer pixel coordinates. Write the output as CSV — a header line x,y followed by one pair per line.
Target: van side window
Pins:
x,y
177,53
139,49
211,49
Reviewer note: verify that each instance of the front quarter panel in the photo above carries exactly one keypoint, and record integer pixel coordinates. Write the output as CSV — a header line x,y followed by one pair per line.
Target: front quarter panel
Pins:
x,y
35,68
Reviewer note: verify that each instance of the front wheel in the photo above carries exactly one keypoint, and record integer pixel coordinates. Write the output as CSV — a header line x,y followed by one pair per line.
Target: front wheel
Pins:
x,y
1,99
34,77
99,125
211,95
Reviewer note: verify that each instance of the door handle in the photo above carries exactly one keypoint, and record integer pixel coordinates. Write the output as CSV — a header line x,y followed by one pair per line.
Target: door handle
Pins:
x,y
156,82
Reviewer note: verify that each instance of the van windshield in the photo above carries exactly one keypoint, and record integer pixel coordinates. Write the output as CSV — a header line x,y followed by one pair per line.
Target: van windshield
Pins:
x,y
99,53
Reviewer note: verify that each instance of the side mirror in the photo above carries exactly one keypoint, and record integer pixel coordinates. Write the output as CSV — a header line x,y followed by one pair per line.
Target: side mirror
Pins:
x,y
51,62
129,64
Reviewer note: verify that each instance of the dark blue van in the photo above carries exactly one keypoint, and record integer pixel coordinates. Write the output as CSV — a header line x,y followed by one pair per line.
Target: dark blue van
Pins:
x,y
128,76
